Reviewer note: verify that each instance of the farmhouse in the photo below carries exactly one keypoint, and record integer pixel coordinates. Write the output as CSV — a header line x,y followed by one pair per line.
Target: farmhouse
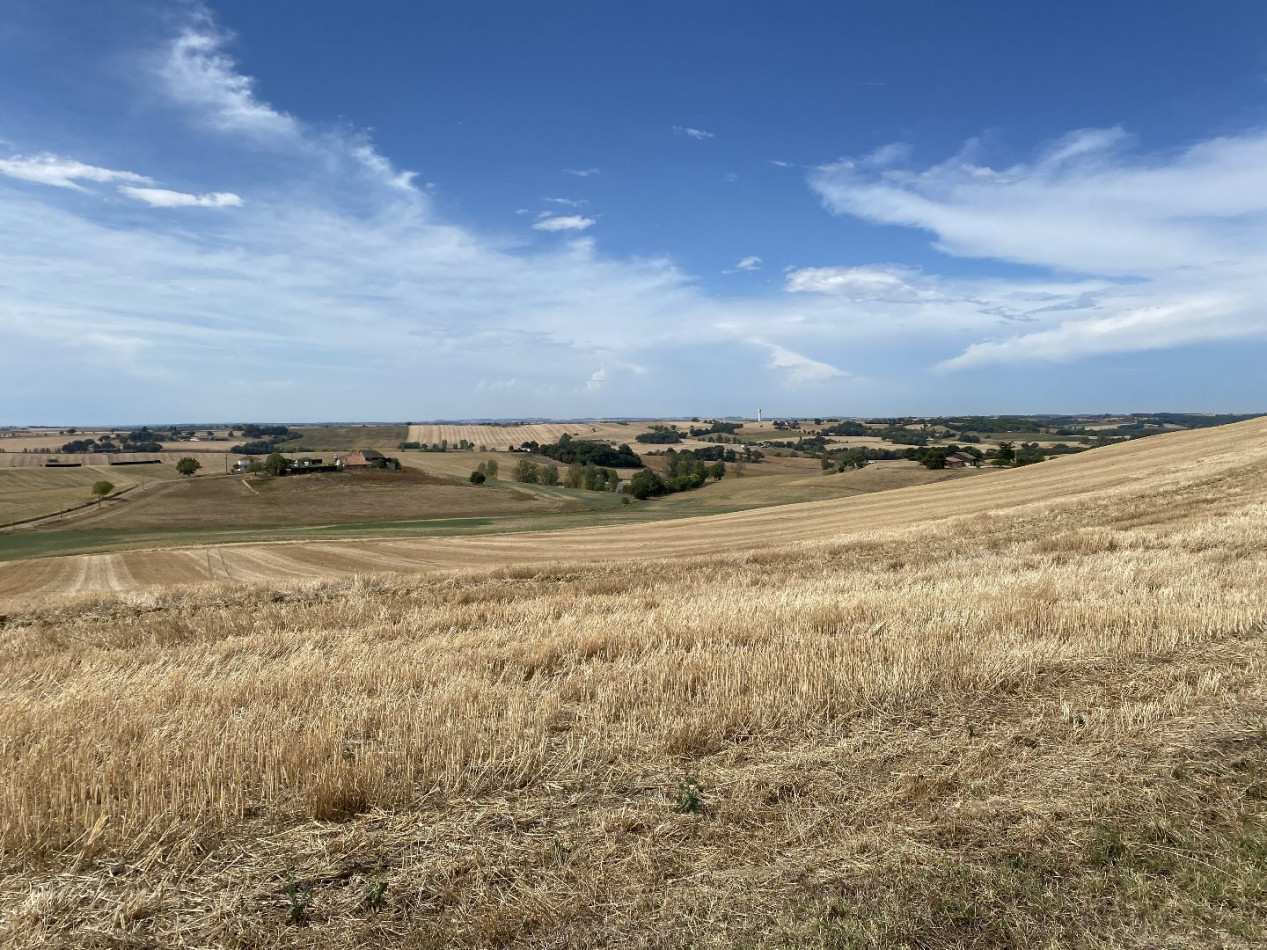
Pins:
x,y
365,458
960,459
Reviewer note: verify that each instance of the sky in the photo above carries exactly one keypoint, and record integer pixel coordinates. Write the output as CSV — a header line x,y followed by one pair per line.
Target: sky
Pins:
x,y
310,210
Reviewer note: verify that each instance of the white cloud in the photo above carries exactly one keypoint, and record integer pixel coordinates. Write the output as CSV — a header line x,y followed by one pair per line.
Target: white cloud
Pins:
x,y
47,169
1084,205
199,75
798,369
780,164
162,198
596,380
567,222
568,202
745,264
583,172
892,283
485,385
699,134
1177,241
1146,328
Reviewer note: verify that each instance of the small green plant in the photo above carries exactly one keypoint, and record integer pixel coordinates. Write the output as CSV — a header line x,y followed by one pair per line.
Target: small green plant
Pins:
x,y
690,796
1106,847
299,899
376,894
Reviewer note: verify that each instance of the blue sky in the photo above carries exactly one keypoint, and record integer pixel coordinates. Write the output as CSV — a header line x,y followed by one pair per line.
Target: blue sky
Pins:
x,y
312,211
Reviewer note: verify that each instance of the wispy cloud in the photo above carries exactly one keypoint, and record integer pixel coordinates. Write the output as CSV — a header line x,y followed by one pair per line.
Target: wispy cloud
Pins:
x,y
798,369
569,222
1178,241
745,264
583,172
47,169
892,283
699,134
163,198
199,74
567,202
596,380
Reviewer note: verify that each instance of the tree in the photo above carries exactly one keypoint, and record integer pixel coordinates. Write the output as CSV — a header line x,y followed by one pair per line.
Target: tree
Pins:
x,y
188,466
717,470
478,477
100,490
490,468
1006,454
549,474
526,472
934,458
276,464
645,484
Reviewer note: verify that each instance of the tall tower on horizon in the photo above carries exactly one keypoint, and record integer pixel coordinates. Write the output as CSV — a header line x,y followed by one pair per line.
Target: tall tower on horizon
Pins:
x,y
758,415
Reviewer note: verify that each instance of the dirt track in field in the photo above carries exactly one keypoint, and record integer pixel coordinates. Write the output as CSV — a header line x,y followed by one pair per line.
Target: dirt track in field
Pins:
x,y
1182,463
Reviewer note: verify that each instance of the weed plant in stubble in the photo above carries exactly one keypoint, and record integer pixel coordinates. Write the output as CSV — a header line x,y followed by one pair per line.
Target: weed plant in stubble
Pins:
x,y
689,799
375,894
298,900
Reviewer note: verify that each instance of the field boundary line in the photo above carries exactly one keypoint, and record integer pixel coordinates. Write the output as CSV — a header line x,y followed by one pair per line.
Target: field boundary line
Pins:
x,y
63,511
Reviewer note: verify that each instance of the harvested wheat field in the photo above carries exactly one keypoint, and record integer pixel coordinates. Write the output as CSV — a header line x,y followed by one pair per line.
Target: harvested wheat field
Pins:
x,y
1023,709
316,498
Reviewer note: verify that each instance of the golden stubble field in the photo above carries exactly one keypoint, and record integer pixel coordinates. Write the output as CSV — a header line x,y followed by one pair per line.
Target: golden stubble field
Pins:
x,y
1147,465
1035,719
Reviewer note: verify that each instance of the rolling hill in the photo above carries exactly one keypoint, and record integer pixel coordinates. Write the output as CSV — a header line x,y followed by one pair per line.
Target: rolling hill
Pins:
x,y
1026,708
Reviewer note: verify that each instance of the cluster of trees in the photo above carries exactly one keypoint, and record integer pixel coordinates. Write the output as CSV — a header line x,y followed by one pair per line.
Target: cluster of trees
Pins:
x,y
713,427
568,450
591,477
107,444
262,440
847,427
718,453
684,472
661,435
813,443
577,475
532,474
484,471
859,456
463,445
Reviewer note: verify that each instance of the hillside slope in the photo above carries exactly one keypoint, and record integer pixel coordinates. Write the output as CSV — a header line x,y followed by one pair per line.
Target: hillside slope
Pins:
x,y
1025,710
1190,462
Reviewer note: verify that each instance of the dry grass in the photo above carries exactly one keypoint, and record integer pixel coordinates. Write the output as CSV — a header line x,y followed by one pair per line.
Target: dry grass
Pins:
x,y
1045,725
32,492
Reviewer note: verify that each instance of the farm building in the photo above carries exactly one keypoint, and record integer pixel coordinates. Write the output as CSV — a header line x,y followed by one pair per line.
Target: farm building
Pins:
x,y
365,458
960,459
